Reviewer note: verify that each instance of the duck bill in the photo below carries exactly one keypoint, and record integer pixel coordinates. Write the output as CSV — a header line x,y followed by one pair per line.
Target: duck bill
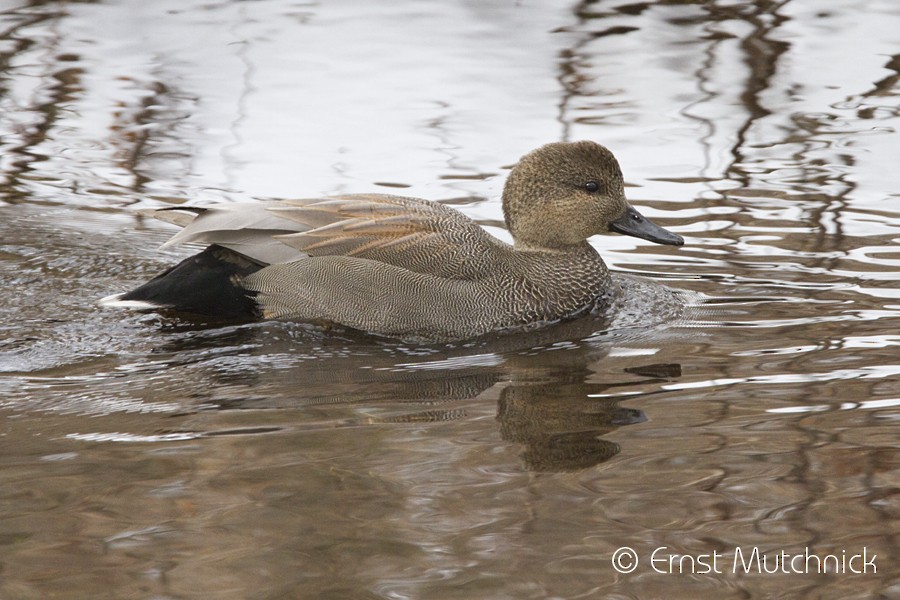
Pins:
x,y
635,224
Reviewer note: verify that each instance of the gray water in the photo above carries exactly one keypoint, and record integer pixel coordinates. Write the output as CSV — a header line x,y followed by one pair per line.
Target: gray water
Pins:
x,y
146,458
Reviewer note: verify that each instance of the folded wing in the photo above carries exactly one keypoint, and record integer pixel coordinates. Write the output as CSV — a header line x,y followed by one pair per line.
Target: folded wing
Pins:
x,y
422,236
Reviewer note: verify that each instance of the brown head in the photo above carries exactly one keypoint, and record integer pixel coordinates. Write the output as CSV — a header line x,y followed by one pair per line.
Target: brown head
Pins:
x,y
561,194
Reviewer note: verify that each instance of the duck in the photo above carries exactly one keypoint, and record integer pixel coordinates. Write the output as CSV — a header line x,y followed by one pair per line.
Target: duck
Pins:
x,y
407,268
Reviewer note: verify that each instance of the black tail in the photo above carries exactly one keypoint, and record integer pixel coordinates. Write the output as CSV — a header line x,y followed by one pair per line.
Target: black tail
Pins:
x,y
205,284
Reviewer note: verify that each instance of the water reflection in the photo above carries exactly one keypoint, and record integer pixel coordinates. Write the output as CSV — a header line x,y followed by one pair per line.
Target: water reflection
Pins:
x,y
546,402
560,426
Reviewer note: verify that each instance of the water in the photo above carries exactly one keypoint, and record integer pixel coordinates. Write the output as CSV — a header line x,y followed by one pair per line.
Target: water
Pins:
x,y
145,458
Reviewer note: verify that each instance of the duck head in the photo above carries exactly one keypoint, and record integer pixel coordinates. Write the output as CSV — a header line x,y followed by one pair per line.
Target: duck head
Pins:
x,y
559,195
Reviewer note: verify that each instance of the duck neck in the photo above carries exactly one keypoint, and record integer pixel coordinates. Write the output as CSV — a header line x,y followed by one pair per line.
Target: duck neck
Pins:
x,y
579,258
561,280
581,248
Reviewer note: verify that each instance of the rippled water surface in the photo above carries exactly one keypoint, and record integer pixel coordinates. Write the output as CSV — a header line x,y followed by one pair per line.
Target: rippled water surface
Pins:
x,y
146,458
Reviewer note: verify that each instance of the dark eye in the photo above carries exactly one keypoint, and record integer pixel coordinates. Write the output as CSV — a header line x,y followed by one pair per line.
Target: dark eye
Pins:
x,y
592,187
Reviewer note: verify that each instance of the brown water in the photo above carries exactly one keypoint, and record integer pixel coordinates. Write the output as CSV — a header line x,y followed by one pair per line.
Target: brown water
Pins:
x,y
141,458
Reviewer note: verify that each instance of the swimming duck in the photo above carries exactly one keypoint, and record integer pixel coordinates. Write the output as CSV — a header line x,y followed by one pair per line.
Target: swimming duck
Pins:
x,y
405,267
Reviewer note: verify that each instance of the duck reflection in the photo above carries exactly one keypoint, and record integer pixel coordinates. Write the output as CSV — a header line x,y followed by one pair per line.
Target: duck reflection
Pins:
x,y
561,418
560,425
551,397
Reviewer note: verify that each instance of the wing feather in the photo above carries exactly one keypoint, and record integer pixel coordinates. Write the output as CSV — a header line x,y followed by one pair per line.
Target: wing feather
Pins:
x,y
422,236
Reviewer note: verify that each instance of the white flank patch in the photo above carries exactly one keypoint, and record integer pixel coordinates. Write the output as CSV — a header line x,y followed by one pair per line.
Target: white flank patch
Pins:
x,y
114,301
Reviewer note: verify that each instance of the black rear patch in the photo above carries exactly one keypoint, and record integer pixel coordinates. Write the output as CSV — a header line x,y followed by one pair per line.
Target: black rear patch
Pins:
x,y
205,284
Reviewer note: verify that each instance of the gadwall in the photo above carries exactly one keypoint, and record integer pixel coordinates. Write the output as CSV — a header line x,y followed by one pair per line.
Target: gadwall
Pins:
x,y
405,267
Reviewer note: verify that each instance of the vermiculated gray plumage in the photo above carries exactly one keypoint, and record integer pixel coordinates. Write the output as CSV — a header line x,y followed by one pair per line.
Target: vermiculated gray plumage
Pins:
x,y
409,268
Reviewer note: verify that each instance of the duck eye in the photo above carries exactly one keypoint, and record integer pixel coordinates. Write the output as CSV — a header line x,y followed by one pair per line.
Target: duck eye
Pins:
x,y
592,187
